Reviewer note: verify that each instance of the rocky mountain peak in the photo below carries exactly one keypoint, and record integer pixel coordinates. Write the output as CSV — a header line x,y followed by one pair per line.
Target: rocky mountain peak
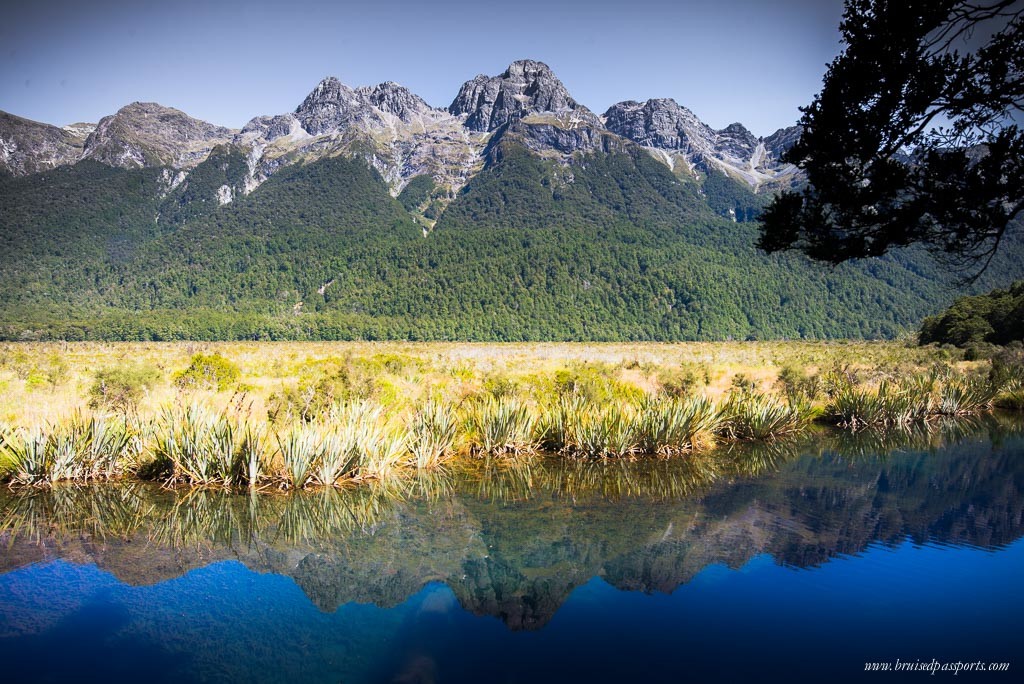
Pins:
x,y
779,142
526,87
394,99
660,123
149,134
333,106
330,105
737,141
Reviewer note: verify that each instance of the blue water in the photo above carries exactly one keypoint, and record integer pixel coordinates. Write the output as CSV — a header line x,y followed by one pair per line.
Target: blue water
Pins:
x,y
547,590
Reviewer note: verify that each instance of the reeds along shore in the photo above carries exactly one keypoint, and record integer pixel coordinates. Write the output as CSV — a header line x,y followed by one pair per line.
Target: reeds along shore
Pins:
x,y
352,441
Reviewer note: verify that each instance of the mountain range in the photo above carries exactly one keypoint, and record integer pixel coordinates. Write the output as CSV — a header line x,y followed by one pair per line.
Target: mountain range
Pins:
x,y
514,213
403,137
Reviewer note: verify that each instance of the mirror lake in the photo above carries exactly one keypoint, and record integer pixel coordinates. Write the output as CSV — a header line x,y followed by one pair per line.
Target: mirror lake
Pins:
x,y
800,558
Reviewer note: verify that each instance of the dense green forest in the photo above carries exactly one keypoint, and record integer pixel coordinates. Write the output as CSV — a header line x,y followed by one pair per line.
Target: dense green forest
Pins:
x,y
996,317
612,247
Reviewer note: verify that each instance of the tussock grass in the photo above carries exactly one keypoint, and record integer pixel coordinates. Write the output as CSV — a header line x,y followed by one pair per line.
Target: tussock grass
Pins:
x,y
500,425
674,426
433,429
757,416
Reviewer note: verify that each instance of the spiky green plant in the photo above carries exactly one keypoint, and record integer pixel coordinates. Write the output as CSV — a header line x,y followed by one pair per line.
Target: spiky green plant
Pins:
x,y
383,453
963,396
376,445
74,449
252,453
197,443
552,429
432,428
63,447
891,404
672,426
500,425
7,465
110,442
299,447
27,455
604,431
1012,400
753,415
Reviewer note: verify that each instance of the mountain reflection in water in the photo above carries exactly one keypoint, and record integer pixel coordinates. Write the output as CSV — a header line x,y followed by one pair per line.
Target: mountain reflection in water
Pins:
x,y
513,539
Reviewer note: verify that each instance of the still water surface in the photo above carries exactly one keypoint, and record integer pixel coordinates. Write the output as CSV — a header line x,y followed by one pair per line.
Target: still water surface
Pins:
x,y
787,562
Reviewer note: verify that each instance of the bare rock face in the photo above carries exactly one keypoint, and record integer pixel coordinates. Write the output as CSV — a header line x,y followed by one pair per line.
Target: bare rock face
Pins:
x,y
270,128
391,98
147,134
779,142
393,129
736,141
332,106
526,87
678,138
661,123
31,147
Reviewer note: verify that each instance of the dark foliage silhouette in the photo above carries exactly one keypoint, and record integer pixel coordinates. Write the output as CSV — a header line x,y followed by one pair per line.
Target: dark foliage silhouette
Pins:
x,y
912,138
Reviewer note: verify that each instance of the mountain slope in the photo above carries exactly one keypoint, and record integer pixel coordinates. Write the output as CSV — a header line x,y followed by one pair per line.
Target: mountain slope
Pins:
x,y
613,247
31,147
515,214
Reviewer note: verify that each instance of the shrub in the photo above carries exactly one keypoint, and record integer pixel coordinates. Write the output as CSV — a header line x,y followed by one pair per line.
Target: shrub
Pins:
x,y
120,388
208,371
679,382
795,382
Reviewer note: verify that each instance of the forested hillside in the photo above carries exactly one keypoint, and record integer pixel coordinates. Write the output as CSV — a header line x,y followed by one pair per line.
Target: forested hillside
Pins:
x,y
611,247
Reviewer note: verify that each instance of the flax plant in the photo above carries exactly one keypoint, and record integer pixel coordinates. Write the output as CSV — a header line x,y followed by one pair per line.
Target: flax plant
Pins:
x,y
299,447
197,444
672,426
604,431
433,428
500,426
757,416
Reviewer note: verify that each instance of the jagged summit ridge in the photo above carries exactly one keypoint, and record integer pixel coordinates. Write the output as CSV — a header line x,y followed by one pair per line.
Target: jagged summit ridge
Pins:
x,y
526,87
333,106
679,136
402,136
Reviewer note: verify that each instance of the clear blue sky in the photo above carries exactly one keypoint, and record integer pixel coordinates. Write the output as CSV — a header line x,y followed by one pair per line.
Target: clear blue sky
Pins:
x,y
728,60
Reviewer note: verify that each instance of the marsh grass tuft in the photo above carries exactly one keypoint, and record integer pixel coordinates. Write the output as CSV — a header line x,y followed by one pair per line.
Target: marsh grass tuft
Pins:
x,y
498,426
673,426
758,416
433,429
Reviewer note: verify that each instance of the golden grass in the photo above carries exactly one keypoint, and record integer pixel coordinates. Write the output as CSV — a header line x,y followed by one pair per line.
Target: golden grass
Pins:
x,y
329,413
42,382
